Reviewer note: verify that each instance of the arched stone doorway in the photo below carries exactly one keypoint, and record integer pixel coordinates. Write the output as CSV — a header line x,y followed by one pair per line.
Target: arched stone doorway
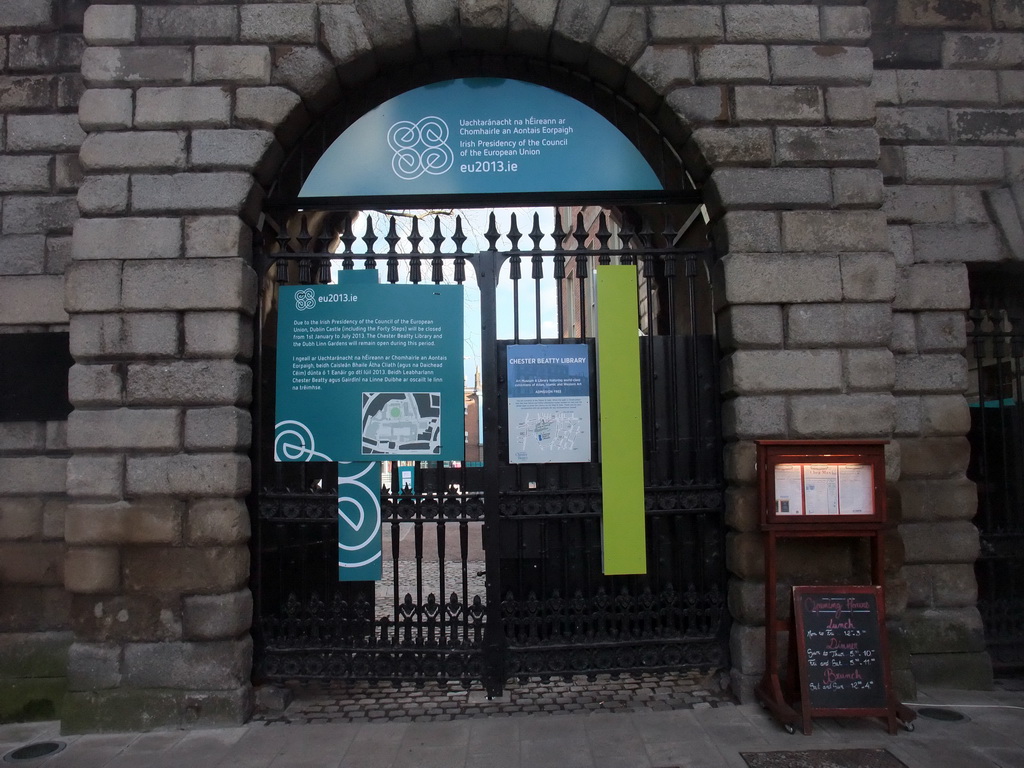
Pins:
x,y
541,603
185,133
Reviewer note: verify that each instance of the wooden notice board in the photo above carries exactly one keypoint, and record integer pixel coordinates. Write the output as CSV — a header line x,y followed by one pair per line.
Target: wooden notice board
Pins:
x,y
838,662
822,482
843,654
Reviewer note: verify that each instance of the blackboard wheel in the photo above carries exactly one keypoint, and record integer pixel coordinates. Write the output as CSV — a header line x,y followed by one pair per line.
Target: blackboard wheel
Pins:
x,y
790,728
909,727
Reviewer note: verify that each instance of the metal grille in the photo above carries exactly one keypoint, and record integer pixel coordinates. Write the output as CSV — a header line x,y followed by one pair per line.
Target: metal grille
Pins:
x,y
996,342
495,568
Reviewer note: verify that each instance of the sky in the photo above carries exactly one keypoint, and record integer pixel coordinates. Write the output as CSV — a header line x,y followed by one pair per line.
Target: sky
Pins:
x,y
475,224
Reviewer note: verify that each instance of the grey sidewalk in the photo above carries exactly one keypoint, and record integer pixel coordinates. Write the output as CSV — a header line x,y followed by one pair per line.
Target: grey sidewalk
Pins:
x,y
706,737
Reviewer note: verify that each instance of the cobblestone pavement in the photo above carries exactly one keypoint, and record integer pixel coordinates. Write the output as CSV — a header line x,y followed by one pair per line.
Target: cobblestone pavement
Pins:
x,y
341,702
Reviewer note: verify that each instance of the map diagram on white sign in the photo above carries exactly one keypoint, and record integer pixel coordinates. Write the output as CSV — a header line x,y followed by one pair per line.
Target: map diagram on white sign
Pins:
x,y
400,423
559,432
548,403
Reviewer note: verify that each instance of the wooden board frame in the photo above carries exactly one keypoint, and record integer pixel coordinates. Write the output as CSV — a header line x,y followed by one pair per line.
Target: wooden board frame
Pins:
x,y
809,453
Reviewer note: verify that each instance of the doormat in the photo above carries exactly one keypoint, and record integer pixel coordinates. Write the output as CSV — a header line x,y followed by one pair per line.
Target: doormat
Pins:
x,y
823,758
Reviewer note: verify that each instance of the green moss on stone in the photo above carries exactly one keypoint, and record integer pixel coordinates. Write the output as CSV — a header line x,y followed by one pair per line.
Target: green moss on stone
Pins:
x,y
144,709
35,655
968,671
943,632
28,700
120,710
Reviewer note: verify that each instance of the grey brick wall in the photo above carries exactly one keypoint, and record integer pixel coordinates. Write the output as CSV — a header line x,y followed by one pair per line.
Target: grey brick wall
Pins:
x,y
947,114
850,156
161,301
40,50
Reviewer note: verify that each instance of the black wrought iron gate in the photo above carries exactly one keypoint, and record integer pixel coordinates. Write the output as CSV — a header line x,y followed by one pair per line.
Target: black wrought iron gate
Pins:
x,y
493,570
996,388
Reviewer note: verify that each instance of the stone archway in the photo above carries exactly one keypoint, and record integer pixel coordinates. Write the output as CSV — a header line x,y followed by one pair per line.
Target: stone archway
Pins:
x,y
300,619
187,108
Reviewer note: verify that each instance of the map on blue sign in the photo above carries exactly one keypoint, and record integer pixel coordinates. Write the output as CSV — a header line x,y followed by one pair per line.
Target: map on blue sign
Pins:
x,y
369,372
548,403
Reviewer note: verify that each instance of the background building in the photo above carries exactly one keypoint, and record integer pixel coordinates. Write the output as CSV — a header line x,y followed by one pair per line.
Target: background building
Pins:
x,y
862,168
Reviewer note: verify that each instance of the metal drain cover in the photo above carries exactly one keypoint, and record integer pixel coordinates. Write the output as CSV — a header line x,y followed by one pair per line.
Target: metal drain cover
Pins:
x,y
941,713
823,758
34,751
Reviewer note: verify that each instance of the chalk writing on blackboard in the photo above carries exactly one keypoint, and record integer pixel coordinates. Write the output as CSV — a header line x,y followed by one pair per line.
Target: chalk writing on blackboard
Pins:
x,y
839,642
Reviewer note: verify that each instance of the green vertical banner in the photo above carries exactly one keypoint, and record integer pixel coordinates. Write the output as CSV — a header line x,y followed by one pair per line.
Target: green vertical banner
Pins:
x,y
622,458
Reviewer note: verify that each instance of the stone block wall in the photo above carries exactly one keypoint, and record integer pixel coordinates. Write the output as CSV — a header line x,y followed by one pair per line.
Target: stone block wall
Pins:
x,y
855,159
40,53
161,297
185,108
806,274
948,85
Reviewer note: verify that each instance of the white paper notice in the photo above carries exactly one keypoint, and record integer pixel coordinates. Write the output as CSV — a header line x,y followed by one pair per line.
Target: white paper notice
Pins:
x,y
821,489
856,491
788,489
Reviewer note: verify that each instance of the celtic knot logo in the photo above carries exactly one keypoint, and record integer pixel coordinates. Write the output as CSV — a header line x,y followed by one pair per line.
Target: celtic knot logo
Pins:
x,y
305,299
420,148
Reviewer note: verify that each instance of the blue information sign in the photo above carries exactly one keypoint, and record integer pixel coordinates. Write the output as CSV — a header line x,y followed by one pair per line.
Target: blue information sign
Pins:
x,y
369,372
479,135
548,403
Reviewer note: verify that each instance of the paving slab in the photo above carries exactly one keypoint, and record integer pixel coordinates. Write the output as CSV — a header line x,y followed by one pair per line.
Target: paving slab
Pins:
x,y
940,754
550,728
603,760
258,748
990,736
573,752
430,757
321,745
90,751
493,734
679,753
18,734
1005,758
142,747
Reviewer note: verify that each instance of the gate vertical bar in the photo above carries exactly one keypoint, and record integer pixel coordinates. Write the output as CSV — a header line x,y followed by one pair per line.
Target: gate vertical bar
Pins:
x,y
488,268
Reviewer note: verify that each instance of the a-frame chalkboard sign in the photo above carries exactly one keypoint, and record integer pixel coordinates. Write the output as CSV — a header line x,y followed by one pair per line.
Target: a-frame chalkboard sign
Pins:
x,y
843,655
838,648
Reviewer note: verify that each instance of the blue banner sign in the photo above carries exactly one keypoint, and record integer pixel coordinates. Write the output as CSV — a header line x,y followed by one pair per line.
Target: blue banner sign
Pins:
x,y
479,135
369,372
548,403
